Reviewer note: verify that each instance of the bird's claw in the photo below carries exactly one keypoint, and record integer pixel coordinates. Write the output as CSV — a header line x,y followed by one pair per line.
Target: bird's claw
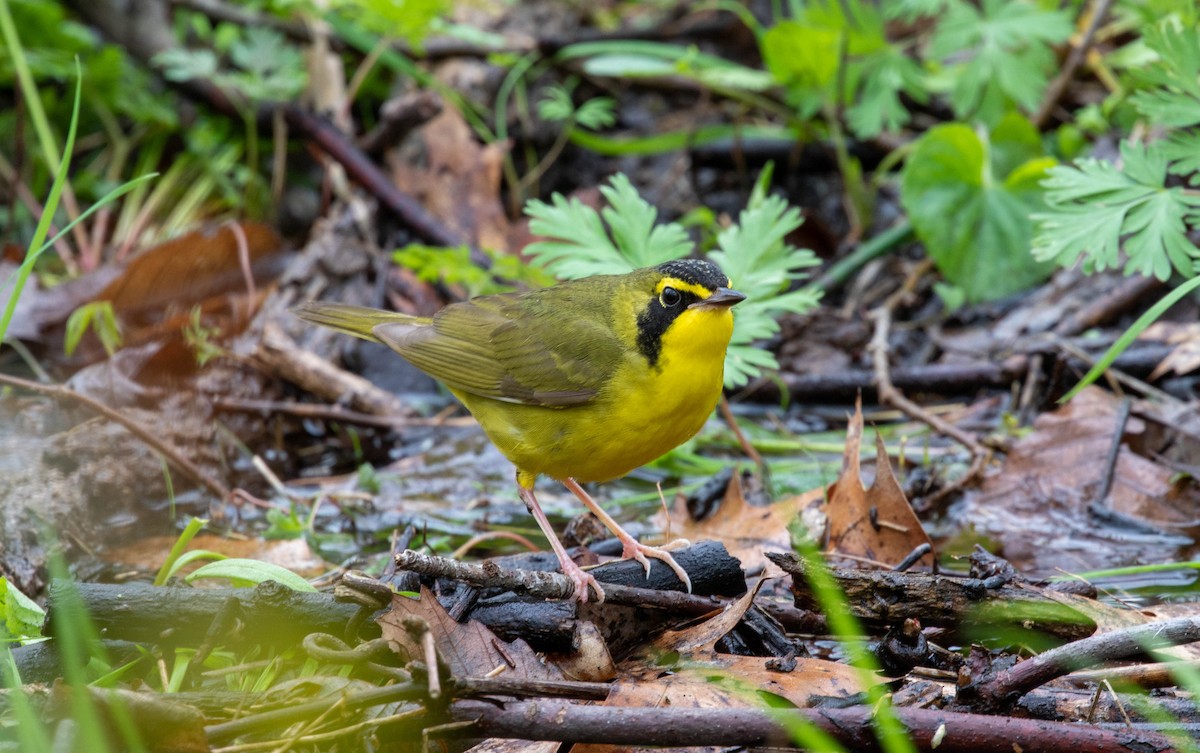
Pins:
x,y
634,550
582,579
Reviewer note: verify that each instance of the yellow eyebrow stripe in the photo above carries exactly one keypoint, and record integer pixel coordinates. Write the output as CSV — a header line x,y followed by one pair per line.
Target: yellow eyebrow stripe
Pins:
x,y
681,285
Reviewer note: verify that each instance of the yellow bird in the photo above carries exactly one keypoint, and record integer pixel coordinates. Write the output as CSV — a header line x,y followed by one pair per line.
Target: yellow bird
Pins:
x,y
583,381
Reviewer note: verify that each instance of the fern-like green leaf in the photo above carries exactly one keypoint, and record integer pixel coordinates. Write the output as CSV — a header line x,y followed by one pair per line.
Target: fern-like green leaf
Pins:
x,y
579,243
762,265
1094,206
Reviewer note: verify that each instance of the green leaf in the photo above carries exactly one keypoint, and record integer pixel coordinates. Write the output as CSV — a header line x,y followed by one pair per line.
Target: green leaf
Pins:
x,y
283,525
596,113
756,256
1182,150
1173,95
411,20
878,106
556,105
581,245
627,58
98,316
911,10
180,64
1094,206
368,479
245,571
1007,49
969,199
271,68
801,55
22,616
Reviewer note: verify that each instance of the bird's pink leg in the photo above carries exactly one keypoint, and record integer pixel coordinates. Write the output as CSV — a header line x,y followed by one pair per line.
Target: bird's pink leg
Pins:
x,y
630,546
581,579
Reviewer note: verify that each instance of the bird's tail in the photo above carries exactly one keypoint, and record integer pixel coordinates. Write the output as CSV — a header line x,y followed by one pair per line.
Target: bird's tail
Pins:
x,y
353,320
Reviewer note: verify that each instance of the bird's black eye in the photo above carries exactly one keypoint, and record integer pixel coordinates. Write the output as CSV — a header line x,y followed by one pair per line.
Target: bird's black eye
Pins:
x,y
670,297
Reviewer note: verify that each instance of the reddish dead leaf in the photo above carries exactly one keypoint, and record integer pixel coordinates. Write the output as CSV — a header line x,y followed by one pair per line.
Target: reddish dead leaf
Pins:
x,y
182,272
875,523
1037,507
160,283
154,295
747,531
469,649
457,179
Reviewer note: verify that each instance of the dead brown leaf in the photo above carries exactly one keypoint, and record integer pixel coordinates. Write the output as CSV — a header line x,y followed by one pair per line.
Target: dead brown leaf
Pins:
x,y
702,677
457,179
469,649
1185,358
875,523
183,271
1037,507
747,531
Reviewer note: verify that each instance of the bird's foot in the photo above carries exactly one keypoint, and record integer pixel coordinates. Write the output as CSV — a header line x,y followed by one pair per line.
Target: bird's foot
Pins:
x,y
582,579
632,549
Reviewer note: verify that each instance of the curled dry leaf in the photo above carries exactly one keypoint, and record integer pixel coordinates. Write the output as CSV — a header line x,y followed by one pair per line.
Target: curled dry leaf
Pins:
x,y
874,523
1185,357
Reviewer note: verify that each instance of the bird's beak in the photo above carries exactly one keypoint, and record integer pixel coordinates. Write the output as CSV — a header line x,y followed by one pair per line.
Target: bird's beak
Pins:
x,y
721,298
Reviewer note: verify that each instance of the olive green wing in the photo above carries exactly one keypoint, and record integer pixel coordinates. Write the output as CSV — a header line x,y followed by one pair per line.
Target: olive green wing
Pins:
x,y
534,348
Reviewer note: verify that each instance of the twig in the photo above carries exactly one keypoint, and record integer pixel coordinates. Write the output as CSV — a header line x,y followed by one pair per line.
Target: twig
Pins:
x,y
1128,293
360,167
333,413
1160,675
267,720
1116,375
933,501
243,252
1009,684
479,538
172,455
1114,450
279,355
883,380
1055,91
753,454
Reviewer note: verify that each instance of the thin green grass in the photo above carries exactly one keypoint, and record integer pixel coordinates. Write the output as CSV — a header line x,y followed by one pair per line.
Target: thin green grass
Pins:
x,y
891,733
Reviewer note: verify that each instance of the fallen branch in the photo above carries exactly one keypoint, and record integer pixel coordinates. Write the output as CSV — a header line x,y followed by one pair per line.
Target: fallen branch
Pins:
x,y
883,598
711,569
928,729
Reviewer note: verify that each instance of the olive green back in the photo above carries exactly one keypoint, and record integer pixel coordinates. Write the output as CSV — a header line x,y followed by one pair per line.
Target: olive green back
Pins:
x,y
554,347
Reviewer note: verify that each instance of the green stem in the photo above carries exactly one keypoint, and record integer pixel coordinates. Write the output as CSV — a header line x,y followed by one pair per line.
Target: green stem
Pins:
x,y
866,251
